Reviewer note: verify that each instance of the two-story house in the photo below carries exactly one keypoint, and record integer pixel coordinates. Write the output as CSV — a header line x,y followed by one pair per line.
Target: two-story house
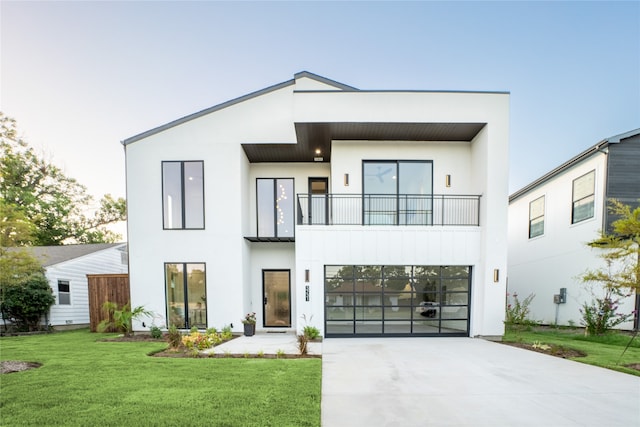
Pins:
x,y
552,219
363,213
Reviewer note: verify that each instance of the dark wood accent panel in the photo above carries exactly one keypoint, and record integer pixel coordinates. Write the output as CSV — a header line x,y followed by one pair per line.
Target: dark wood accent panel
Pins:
x,y
623,174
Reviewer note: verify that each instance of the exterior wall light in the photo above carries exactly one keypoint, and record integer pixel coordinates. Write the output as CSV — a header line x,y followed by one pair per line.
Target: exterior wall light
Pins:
x,y
306,276
496,275
346,179
447,180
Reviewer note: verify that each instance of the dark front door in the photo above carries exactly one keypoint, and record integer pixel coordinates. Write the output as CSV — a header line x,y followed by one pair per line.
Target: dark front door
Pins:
x,y
318,206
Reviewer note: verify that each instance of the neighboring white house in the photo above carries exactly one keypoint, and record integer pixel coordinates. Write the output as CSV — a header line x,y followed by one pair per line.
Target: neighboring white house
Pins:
x,y
66,268
370,213
552,219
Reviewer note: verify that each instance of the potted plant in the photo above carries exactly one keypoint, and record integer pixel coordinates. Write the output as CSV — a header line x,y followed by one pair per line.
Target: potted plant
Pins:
x,y
249,323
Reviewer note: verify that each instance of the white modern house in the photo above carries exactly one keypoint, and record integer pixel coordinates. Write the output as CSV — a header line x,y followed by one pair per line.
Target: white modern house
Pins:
x,y
360,212
66,268
552,219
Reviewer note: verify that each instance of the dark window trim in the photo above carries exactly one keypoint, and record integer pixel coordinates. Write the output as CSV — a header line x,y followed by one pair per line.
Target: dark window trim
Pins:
x,y
397,163
441,276
540,216
275,209
185,289
264,313
64,282
182,201
574,201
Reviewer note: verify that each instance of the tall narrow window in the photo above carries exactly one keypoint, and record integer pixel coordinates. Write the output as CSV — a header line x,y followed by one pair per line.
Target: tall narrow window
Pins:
x,y
276,211
186,295
183,195
583,197
64,292
536,217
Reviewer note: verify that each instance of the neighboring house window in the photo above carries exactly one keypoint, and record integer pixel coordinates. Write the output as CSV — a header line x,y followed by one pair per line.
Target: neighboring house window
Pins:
x,y
64,292
186,288
536,217
276,212
398,192
583,197
183,195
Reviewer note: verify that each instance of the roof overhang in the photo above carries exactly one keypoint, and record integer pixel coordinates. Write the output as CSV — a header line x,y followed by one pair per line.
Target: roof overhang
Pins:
x,y
314,139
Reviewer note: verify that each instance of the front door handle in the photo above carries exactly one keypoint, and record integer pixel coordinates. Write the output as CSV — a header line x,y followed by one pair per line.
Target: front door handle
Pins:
x,y
265,300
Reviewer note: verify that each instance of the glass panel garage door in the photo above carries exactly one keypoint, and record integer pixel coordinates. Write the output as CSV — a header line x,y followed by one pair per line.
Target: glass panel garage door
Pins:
x,y
397,300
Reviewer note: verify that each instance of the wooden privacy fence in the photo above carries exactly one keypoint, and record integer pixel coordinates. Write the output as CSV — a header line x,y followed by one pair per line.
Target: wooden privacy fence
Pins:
x,y
103,288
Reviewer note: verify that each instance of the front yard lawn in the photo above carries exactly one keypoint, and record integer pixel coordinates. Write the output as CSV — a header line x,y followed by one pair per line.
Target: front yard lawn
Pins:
x,y
603,350
83,381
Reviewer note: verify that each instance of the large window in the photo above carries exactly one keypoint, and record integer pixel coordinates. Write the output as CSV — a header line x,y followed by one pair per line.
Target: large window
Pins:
x,y
583,197
183,195
536,217
276,212
186,289
398,192
64,292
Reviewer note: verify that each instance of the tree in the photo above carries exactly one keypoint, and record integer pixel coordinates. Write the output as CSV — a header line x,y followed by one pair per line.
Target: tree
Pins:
x,y
43,200
25,302
621,276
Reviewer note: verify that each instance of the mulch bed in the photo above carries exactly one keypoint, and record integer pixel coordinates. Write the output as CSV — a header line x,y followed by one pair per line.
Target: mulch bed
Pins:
x,y
553,350
9,366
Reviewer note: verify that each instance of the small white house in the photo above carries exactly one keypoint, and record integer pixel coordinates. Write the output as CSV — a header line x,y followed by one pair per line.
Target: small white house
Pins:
x,y
552,219
365,212
66,268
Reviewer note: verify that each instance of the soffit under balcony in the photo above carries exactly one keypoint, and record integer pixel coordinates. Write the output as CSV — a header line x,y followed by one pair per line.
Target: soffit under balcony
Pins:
x,y
317,137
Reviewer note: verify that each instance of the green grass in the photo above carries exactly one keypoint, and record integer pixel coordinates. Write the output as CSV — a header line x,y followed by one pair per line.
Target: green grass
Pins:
x,y
87,383
604,350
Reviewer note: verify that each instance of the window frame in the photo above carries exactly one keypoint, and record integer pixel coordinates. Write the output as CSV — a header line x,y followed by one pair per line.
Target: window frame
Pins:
x,y
574,202
183,202
401,210
532,219
64,282
291,197
185,290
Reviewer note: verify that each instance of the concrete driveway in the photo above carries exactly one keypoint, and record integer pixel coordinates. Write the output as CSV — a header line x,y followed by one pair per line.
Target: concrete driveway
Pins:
x,y
467,382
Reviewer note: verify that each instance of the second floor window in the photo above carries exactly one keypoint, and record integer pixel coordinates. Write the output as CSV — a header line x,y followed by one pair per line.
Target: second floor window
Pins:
x,y
536,217
183,195
276,212
582,206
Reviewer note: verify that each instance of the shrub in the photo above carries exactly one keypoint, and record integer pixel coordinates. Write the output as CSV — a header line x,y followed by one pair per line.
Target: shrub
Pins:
x,y
311,332
155,332
120,319
517,313
600,315
25,303
174,337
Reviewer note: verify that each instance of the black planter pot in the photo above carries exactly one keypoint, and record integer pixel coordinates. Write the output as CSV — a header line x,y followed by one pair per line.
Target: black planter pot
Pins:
x,y
249,329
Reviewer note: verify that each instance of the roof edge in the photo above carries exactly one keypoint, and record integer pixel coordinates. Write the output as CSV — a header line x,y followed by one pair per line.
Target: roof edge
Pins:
x,y
207,111
594,149
324,80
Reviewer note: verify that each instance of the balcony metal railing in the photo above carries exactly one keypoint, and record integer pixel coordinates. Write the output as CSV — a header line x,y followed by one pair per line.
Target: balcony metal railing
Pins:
x,y
388,209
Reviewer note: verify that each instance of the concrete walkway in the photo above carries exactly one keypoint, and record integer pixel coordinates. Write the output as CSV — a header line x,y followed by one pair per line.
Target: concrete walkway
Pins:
x,y
265,343
376,382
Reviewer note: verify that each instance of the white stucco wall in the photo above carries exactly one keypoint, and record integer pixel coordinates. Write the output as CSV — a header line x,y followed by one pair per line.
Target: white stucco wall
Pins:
x,y
233,265
544,264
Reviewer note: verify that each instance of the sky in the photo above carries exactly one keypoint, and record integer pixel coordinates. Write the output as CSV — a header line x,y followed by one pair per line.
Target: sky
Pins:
x,y
79,77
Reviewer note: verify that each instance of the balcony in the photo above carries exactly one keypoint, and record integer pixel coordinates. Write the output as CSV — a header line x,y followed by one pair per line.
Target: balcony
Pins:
x,y
388,209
